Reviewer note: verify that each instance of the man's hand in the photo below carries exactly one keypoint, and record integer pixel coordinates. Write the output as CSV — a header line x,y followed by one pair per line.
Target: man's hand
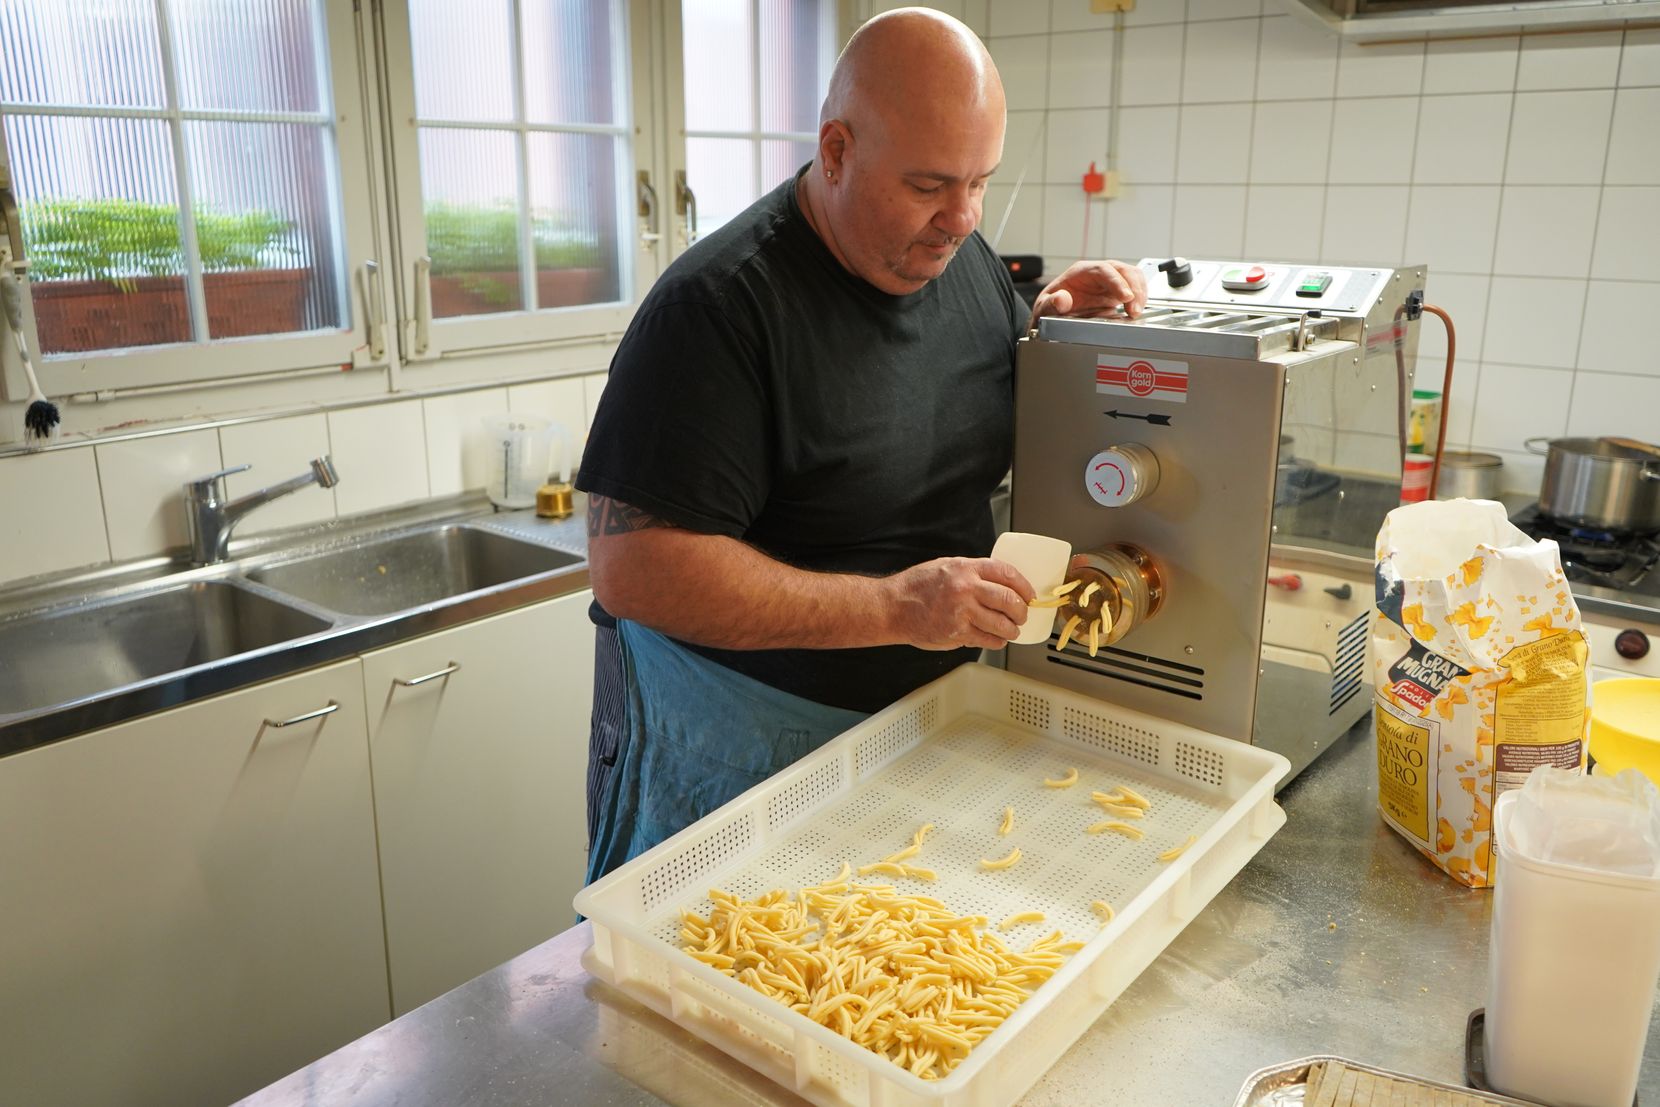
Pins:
x,y
959,601
1092,288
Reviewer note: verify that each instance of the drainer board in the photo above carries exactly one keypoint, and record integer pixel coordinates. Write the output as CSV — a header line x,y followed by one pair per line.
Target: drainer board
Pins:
x,y
955,753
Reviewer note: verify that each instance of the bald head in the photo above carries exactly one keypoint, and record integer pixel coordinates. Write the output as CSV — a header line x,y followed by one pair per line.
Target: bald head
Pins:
x,y
915,59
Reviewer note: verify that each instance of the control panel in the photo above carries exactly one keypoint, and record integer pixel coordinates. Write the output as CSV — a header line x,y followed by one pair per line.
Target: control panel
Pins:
x,y
1260,284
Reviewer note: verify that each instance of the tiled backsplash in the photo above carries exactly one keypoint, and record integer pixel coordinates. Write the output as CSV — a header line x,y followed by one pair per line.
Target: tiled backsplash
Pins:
x,y
1524,171
64,508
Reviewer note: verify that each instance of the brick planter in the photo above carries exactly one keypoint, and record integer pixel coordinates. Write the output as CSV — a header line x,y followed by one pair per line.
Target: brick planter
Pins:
x,y
74,316
482,293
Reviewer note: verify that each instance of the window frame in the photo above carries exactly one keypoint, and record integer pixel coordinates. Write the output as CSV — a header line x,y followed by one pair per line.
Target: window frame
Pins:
x,y
350,72
469,335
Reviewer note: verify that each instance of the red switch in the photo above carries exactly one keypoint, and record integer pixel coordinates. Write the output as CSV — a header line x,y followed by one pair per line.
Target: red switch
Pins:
x,y
1095,182
1291,582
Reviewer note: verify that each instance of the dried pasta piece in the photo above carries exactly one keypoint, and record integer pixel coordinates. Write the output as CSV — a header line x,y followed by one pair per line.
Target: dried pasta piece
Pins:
x,y
1132,798
1125,829
1104,909
921,834
1002,862
1008,822
1066,781
1176,851
1072,624
1116,808
909,851
1020,918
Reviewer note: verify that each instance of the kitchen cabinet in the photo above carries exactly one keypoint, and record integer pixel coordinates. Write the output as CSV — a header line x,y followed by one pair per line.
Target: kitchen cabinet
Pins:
x,y
478,737
189,903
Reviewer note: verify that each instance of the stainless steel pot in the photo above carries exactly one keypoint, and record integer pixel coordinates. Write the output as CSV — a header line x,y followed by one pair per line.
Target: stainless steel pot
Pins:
x,y
1473,476
1593,483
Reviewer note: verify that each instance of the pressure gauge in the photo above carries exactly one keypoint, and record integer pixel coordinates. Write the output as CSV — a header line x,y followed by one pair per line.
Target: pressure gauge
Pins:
x,y
1120,475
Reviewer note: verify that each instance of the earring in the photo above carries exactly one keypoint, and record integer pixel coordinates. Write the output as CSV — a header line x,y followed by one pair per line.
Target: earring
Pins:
x,y
829,176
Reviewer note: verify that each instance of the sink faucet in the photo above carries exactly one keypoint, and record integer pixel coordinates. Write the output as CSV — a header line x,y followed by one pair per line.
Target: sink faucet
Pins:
x,y
212,513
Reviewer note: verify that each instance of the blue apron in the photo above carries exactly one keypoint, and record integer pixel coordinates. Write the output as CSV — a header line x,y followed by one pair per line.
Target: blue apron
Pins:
x,y
695,734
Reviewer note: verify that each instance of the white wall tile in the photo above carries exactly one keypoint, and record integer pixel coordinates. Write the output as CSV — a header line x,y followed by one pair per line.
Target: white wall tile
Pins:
x,y
1628,234
1139,222
1215,144
561,401
1633,145
976,15
1614,404
593,386
1519,401
1210,221
1462,139
457,457
1618,336
1283,222
1024,137
1462,409
1465,299
1023,234
51,514
1452,227
1534,321
1023,63
1220,61
1296,60
1200,11
143,482
1559,137
278,449
1471,65
1063,226
1290,141
1148,12
1152,62
1384,69
1017,17
1072,140
1364,225
1584,60
1080,69
380,450
1147,144
1521,472
1372,140
1546,227
1075,15
1640,61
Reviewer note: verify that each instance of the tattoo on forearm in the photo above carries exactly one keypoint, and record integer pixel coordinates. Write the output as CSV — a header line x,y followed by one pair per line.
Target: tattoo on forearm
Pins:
x,y
608,516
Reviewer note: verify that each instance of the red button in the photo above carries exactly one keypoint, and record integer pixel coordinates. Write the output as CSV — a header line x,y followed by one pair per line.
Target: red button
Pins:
x,y
1256,274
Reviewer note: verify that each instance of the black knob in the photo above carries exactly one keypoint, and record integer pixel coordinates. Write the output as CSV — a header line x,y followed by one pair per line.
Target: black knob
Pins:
x,y
1180,272
1631,644
1341,591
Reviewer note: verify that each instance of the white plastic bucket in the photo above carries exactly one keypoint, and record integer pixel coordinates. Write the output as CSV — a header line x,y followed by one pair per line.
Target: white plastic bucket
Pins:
x,y
1573,964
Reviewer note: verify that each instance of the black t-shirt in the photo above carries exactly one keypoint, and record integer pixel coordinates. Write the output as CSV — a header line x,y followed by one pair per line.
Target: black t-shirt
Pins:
x,y
765,393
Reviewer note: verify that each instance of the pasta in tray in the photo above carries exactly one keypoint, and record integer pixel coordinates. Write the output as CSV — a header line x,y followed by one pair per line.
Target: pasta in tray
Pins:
x,y
902,976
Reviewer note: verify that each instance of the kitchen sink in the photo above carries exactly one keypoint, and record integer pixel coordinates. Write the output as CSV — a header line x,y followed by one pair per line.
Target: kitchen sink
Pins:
x,y
63,654
387,575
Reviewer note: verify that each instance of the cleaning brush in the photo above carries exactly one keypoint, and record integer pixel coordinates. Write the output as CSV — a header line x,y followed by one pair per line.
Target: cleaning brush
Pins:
x,y
42,415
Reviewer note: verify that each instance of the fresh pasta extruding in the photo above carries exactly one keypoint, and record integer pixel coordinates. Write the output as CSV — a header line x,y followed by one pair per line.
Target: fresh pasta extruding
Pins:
x,y
902,976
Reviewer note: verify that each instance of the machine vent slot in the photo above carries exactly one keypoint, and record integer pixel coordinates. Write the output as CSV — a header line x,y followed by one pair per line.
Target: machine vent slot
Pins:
x,y
1202,765
690,866
1029,710
1348,667
1129,742
895,738
1099,670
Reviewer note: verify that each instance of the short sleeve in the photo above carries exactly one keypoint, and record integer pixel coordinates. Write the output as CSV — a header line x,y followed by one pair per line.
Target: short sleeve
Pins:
x,y
684,429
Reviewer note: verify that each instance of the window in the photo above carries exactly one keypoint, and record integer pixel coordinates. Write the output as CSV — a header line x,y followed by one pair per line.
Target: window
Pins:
x,y
178,170
515,170
756,72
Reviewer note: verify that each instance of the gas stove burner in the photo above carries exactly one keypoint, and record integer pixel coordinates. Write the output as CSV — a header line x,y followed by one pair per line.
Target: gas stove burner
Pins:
x,y
1591,555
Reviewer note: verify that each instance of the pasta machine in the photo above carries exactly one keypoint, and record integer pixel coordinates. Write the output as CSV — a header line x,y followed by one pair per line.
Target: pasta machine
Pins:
x,y
1220,465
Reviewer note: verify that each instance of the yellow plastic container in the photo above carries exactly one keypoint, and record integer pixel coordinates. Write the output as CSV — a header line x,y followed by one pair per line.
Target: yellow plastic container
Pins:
x,y
1625,726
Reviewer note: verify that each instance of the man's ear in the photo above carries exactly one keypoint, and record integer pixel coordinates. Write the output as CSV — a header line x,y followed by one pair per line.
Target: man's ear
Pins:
x,y
835,141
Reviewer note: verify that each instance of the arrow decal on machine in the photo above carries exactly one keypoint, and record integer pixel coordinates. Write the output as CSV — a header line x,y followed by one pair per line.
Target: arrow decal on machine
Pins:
x,y
1155,420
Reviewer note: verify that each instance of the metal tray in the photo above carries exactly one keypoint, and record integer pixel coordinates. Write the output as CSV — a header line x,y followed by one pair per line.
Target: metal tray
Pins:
x,y
1284,1085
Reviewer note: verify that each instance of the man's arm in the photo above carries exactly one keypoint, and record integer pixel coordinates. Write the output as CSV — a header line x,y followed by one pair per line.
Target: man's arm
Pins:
x,y
719,592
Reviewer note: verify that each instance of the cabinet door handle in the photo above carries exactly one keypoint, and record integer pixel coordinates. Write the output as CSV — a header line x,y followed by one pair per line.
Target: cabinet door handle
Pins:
x,y
307,717
452,667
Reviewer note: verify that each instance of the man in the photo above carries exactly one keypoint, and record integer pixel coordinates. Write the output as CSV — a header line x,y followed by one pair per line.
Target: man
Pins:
x,y
798,442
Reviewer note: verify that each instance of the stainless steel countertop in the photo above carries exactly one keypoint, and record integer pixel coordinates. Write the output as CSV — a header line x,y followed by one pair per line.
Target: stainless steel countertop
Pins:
x,y
1338,938
343,635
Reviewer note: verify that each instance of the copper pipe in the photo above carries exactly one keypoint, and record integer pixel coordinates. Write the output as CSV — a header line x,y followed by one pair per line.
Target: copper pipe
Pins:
x,y
1446,397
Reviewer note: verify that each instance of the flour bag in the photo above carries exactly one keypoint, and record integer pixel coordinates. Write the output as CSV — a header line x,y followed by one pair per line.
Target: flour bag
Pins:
x,y
1479,674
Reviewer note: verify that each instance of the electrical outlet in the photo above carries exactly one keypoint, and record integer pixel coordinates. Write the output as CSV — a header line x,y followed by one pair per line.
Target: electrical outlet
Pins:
x,y
1114,181
1107,7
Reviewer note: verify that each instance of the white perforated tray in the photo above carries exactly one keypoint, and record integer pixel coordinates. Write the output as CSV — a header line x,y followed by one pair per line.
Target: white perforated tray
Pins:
x,y
953,753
